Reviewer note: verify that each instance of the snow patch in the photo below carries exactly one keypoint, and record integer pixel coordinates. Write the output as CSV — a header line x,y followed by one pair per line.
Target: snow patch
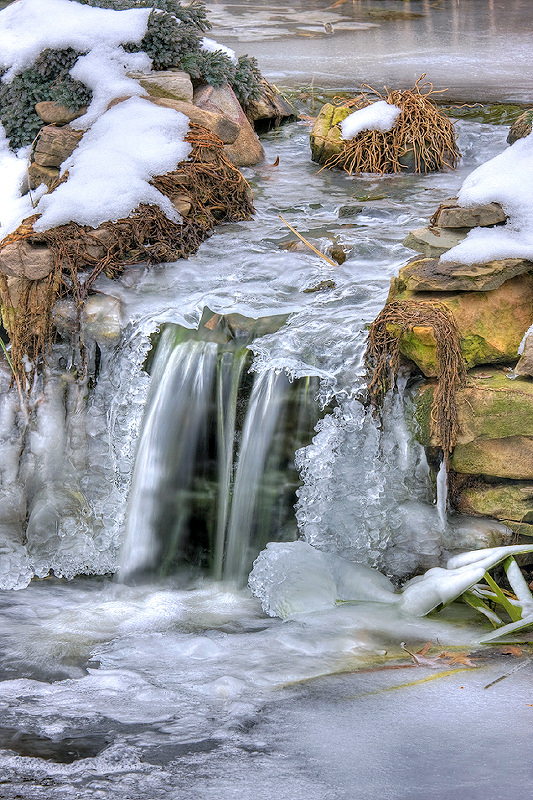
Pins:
x,y
380,116
109,171
506,179
28,27
210,46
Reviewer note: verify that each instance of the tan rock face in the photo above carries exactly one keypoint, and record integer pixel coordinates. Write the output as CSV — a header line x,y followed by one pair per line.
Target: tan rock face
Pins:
x,y
54,113
21,259
505,501
38,175
502,458
491,324
246,150
451,215
271,106
435,275
54,145
226,129
174,84
525,365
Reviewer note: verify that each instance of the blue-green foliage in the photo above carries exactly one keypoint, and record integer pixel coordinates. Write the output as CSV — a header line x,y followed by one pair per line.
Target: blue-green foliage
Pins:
x,y
172,40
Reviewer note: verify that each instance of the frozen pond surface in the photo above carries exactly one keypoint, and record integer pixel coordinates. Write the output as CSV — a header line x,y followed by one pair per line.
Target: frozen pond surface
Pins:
x,y
477,49
186,689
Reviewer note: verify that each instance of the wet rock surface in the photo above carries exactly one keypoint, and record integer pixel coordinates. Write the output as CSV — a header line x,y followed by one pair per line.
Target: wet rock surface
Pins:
x,y
436,275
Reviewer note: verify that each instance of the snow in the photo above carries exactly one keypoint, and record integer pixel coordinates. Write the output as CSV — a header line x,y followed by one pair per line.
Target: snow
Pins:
x,y
109,171
380,116
210,46
27,27
506,179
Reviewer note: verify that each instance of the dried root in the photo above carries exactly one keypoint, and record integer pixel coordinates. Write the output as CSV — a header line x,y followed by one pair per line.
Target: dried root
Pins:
x,y
216,192
422,132
383,360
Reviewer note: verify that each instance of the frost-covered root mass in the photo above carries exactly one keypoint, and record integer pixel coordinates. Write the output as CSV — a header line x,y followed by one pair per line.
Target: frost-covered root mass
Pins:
x,y
295,578
506,179
380,116
110,170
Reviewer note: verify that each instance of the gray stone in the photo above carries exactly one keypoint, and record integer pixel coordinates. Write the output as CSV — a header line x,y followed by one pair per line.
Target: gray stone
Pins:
x,y
20,259
433,242
451,215
226,129
52,112
271,107
174,84
246,150
433,275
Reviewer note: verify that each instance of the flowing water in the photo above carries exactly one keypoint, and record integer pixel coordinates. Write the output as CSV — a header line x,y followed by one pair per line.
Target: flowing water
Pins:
x,y
175,463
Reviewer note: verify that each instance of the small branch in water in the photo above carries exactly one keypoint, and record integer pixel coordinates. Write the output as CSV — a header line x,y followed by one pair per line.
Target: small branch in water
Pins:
x,y
304,240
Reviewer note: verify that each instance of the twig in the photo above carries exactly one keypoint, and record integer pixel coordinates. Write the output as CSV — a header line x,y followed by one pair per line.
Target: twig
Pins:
x,y
304,240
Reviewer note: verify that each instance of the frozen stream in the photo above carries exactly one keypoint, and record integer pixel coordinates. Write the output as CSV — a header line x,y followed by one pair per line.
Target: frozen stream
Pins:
x,y
184,688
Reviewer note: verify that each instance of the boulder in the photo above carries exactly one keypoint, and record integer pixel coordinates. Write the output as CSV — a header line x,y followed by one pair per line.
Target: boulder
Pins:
x,y
501,458
433,242
53,145
53,113
171,83
525,364
20,259
451,215
435,275
325,138
521,127
270,108
226,129
490,406
38,175
504,501
246,150
482,340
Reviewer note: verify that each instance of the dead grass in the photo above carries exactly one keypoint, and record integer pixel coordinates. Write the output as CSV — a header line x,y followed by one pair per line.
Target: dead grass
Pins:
x,y
423,133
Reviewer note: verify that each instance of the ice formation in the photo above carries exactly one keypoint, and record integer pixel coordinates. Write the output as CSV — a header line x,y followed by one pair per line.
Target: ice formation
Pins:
x,y
294,578
380,116
506,179
109,171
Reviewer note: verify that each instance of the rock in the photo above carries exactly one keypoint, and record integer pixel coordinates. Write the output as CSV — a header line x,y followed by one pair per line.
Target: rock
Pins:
x,y
434,275
504,501
246,150
471,533
519,528
171,83
521,127
433,242
270,108
38,175
502,458
483,340
226,129
182,204
101,319
451,215
348,212
20,259
54,145
525,364
320,287
325,138
490,406
52,112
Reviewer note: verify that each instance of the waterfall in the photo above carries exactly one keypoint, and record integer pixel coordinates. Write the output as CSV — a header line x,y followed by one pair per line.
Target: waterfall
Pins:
x,y
214,477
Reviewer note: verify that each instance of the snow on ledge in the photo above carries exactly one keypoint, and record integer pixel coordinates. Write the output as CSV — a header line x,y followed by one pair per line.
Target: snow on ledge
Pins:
x,y
210,46
380,116
110,170
506,179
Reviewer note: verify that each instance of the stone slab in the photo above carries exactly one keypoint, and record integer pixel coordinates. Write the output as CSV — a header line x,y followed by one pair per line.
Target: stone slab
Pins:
x,y
504,501
434,275
174,84
433,242
20,259
501,458
226,129
451,215
54,145
52,112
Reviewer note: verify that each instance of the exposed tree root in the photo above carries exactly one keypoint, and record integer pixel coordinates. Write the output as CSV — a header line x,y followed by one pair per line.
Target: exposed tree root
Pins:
x,y
383,360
